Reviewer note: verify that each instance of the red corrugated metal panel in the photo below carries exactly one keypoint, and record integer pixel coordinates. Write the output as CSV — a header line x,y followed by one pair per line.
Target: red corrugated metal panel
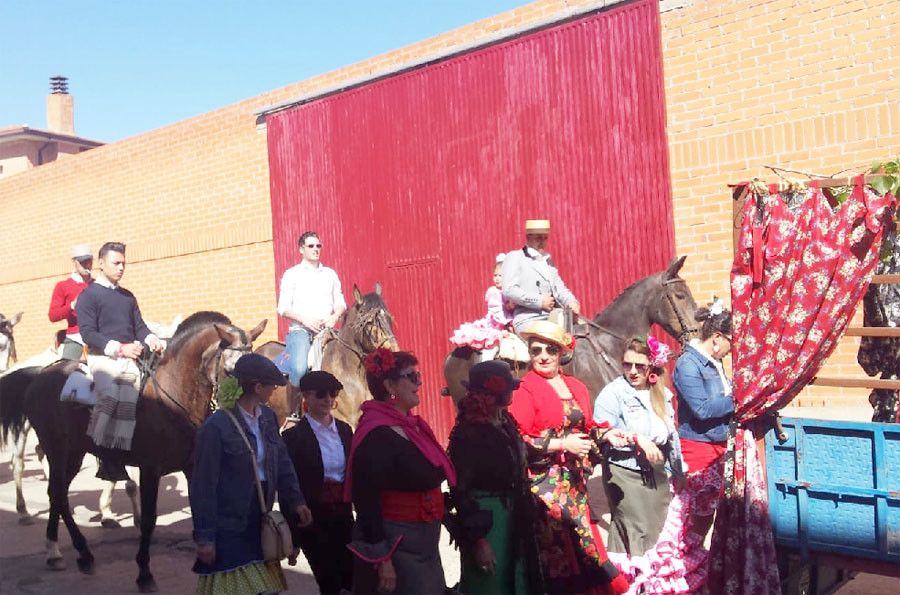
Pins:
x,y
420,179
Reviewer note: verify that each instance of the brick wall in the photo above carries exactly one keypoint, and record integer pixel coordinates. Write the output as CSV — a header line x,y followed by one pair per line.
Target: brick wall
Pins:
x,y
803,84
806,85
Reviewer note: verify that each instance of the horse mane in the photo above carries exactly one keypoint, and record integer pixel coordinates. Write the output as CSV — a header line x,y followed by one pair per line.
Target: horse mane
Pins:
x,y
622,294
192,324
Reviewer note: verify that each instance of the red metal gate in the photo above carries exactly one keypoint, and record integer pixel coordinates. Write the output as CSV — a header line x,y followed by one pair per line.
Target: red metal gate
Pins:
x,y
419,179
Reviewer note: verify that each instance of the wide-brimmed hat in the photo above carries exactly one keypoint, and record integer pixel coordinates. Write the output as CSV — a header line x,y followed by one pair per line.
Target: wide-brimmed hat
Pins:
x,y
493,377
320,381
550,332
537,226
252,367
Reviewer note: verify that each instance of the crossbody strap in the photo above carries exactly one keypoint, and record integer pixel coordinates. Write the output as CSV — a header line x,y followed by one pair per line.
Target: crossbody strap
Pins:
x,y
259,492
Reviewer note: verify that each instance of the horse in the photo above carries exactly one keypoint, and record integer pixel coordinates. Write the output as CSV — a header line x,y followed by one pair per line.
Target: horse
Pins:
x,y
18,380
367,325
173,404
7,341
661,298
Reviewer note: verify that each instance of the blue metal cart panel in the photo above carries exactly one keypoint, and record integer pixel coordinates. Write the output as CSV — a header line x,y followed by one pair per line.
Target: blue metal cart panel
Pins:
x,y
834,487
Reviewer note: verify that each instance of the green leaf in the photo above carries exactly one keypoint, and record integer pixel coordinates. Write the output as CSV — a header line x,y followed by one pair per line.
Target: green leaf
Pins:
x,y
882,184
876,167
842,196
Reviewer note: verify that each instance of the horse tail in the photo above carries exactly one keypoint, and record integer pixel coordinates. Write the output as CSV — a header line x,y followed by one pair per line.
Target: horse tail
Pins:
x,y
12,401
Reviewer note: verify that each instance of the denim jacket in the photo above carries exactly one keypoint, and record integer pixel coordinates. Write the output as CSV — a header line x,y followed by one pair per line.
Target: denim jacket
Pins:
x,y
704,408
619,405
222,483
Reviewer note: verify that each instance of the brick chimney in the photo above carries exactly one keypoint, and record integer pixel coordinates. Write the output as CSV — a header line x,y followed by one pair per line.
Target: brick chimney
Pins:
x,y
60,107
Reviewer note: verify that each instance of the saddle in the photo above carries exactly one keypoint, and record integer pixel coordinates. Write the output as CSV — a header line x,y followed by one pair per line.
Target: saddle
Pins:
x,y
79,387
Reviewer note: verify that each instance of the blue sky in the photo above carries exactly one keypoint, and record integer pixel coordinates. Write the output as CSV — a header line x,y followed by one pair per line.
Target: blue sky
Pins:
x,y
137,65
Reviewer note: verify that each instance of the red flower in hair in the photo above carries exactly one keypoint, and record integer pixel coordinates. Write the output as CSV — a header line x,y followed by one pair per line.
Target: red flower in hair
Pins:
x,y
380,362
496,385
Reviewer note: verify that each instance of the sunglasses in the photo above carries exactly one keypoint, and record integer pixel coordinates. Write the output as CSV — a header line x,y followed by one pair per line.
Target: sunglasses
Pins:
x,y
641,368
312,245
414,376
552,350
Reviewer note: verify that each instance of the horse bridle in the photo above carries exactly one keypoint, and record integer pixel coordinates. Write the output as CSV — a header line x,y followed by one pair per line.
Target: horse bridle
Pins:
x,y
686,331
377,322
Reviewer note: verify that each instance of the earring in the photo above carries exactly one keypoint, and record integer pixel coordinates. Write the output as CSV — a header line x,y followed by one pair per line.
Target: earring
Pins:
x,y
653,378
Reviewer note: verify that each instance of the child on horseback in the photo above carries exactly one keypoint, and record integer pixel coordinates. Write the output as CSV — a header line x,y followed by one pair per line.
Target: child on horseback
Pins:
x,y
486,333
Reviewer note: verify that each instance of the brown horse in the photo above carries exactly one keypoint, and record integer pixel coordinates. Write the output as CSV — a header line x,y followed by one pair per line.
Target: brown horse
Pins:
x,y
662,298
367,325
172,406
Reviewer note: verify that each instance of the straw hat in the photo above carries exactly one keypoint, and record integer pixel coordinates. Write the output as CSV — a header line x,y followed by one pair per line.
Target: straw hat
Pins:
x,y
551,333
82,251
537,226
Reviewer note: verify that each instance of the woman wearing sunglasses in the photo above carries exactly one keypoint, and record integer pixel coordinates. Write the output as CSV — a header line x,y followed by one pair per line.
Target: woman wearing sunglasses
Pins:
x,y
635,478
554,416
705,407
319,446
394,478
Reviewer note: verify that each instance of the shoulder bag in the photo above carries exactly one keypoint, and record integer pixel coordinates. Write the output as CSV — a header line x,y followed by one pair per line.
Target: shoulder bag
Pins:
x,y
275,533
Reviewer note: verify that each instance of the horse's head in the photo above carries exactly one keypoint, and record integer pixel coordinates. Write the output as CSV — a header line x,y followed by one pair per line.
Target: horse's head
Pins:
x,y
7,342
674,310
233,343
369,323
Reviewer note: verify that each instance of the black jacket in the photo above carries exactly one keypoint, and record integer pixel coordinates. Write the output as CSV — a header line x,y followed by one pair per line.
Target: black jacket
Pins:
x,y
303,449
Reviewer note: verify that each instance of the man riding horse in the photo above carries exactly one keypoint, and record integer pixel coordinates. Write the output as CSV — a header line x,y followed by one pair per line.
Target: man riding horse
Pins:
x,y
113,329
531,280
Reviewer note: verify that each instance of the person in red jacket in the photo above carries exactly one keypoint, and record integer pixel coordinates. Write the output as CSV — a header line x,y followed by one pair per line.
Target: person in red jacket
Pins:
x,y
553,411
65,296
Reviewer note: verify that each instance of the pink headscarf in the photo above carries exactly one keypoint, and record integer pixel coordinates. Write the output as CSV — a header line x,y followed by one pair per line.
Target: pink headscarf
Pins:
x,y
378,413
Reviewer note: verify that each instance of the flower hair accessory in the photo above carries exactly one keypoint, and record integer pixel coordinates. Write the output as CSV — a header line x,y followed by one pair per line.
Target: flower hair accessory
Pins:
x,y
716,307
228,393
659,352
380,362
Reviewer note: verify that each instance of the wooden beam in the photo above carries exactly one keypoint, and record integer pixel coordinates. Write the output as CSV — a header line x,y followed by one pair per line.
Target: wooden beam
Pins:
x,y
856,382
885,279
873,331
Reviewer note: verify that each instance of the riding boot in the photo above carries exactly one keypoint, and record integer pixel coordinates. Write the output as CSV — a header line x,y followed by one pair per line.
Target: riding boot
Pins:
x,y
110,468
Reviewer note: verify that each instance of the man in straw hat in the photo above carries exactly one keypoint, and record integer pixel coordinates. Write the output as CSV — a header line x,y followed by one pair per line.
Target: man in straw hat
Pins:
x,y
531,281
65,296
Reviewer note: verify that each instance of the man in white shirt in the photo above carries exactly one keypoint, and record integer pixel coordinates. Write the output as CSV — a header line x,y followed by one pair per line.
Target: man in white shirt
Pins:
x,y
310,297
531,281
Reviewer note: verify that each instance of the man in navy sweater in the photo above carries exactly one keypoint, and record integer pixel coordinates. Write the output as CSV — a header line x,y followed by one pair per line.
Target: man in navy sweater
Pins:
x,y
115,334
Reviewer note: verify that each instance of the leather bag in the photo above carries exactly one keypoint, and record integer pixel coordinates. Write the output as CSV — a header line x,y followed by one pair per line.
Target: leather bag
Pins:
x,y
275,533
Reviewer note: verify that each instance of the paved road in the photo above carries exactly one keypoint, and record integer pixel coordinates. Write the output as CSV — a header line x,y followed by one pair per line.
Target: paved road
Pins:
x,y
22,553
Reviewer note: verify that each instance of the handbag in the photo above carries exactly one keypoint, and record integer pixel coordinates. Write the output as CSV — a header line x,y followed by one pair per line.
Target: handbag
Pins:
x,y
275,533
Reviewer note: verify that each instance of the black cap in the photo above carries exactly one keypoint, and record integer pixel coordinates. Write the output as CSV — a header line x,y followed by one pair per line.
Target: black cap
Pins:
x,y
482,378
320,381
254,367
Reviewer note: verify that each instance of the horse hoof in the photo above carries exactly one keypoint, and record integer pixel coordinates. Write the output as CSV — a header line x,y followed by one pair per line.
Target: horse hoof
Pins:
x,y
110,523
26,520
86,566
147,585
56,564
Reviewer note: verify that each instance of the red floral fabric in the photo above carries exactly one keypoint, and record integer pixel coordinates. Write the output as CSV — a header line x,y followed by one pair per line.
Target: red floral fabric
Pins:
x,y
799,272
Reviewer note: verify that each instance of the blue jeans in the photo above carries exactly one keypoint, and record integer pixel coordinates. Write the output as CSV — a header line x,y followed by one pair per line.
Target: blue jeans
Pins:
x,y
297,345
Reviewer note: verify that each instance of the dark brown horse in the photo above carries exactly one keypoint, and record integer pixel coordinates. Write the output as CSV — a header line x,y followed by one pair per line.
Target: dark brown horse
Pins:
x,y
367,325
662,298
171,408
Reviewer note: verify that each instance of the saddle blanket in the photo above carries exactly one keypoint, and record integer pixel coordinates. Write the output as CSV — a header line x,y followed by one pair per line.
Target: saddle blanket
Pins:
x,y
116,382
79,387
